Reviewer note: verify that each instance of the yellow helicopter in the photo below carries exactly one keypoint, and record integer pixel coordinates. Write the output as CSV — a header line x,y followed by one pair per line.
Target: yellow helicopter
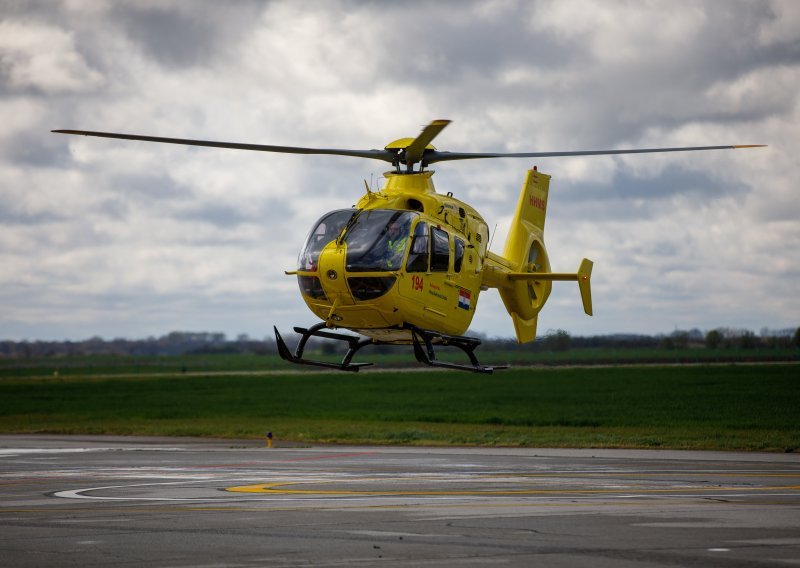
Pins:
x,y
405,265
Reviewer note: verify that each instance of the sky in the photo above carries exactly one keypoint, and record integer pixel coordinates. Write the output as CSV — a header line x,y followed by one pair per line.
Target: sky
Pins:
x,y
130,239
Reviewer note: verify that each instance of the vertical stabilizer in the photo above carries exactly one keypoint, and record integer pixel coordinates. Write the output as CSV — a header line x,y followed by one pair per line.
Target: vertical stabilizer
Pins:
x,y
529,216
524,251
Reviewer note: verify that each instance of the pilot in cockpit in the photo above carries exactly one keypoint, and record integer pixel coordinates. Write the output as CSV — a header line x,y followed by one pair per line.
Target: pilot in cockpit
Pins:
x,y
396,239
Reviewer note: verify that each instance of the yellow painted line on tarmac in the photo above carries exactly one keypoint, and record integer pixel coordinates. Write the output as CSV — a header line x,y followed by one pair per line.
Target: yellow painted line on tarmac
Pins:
x,y
287,488
579,474
281,489
437,506
338,507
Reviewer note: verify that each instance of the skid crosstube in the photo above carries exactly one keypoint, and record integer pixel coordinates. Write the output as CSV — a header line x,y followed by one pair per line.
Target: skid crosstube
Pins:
x,y
355,343
422,340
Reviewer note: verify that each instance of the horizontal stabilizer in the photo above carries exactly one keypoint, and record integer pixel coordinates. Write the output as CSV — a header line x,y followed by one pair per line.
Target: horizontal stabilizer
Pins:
x,y
583,277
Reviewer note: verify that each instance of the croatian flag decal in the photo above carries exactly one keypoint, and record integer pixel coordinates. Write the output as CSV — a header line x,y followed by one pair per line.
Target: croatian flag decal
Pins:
x,y
463,299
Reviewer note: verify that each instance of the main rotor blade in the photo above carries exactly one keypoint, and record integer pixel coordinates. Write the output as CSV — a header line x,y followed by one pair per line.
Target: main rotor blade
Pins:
x,y
416,149
384,155
414,153
433,156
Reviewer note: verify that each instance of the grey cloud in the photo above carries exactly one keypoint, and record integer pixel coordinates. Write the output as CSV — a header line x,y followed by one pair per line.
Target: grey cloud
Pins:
x,y
222,215
185,34
601,103
441,49
673,180
35,149
11,215
153,188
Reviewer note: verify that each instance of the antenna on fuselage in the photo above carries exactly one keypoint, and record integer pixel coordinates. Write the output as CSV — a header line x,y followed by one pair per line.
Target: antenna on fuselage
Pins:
x,y
492,237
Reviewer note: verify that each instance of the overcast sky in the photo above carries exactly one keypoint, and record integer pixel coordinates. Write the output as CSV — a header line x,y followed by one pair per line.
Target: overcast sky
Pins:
x,y
129,239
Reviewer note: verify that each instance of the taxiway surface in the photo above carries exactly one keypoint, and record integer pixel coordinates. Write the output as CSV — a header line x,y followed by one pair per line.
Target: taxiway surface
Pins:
x,y
100,501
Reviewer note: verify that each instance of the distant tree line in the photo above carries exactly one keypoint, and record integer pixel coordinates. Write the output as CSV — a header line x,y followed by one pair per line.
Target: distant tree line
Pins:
x,y
184,342
174,343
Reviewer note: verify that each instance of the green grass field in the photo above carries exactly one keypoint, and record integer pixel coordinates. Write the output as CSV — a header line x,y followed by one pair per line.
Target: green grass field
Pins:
x,y
752,407
399,357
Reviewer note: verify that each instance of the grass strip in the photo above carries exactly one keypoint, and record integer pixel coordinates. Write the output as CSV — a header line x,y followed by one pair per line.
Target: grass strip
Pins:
x,y
81,365
751,407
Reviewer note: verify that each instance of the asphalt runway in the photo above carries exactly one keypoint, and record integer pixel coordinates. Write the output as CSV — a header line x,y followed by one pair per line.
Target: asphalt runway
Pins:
x,y
117,501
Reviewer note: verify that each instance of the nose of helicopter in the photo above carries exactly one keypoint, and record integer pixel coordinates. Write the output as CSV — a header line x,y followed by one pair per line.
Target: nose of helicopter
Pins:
x,y
367,306
332,276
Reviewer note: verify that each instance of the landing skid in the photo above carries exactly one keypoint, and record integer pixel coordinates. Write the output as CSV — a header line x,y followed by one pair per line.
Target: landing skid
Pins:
x,y
422,340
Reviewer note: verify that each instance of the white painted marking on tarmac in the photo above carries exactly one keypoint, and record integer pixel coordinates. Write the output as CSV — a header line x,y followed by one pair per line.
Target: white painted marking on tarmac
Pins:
x,y
715,496
719,549
81,494
95,520
185,478
389,534
384,498
13,452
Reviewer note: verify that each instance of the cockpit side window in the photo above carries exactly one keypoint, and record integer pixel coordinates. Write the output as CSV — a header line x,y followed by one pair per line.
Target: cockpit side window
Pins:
x,y
440,253
327,229
458,259
418,257
377,240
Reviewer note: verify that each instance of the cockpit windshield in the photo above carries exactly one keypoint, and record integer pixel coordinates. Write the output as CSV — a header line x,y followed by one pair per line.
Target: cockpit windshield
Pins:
x,y
377,240
327,229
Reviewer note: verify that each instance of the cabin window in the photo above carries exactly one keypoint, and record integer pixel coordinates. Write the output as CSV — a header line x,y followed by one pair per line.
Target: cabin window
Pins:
x,y
458,259
418,257
440,250
311,287
327,229
370,287
377,240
